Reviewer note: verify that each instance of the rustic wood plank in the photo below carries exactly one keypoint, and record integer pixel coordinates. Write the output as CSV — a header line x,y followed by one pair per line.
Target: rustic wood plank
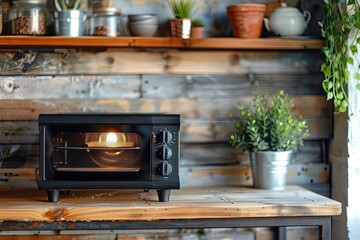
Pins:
x,y
201,154
206,175
155,86
159,42
199,130
312,173
117,61
220,108
227,86
69,87
213,202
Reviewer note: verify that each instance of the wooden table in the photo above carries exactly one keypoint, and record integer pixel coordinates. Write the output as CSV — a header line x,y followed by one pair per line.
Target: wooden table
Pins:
x,y
203,207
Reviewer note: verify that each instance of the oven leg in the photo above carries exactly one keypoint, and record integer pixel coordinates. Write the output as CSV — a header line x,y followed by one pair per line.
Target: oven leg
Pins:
x,y
164,195
53,195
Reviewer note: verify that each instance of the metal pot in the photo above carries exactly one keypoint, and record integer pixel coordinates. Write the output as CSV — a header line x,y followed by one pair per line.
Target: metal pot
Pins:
x,y
269,169
70,23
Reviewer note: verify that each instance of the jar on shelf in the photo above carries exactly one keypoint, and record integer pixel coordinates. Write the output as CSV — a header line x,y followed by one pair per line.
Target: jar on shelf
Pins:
x,y
105,22
28,17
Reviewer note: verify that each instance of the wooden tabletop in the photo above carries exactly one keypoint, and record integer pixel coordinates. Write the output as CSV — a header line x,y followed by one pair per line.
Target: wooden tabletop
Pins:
x,y
187,203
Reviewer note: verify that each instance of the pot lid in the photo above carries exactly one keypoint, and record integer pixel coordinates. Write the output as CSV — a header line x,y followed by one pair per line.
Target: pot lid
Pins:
x,y
108,10
284,8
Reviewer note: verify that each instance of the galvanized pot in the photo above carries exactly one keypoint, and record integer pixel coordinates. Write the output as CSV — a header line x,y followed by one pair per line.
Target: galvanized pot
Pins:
x,y
70,23
269,169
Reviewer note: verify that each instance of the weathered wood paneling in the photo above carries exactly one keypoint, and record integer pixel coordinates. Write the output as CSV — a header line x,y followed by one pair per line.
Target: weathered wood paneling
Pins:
x,y
216,175
68,87
228,86
308,106
159,62
155,86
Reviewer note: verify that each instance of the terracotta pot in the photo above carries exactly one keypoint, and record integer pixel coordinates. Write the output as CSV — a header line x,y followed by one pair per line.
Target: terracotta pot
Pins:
x,y
197,32
246,20
180,28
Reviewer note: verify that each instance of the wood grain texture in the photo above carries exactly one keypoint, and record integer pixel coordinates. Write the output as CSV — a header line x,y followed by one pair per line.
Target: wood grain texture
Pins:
x,y
168,61
187,203
228,86
159,42
69,87
202,86
309,174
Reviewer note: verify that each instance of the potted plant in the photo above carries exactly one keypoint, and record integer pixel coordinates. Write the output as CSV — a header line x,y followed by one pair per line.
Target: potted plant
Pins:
x,y
183,11
197,28
69,17
270,132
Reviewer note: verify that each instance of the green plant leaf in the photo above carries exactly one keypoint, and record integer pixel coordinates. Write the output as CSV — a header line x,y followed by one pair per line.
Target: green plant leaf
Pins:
x,y
330,95
353,49
350,60
356,75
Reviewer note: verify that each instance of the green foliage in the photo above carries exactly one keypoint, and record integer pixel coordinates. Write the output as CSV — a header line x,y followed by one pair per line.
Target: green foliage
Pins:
x,y
340,18
61,5
269,126
183,8
197,23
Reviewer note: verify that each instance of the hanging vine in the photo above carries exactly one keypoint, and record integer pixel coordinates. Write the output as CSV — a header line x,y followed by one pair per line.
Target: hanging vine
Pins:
x,y
341,18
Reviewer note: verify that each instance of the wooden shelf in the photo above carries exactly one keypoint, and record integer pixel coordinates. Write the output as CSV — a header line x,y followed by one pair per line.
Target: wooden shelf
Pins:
x,y
158,42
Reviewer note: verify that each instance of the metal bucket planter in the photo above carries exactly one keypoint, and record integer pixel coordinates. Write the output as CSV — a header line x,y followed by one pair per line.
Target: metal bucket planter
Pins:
x,y
69,23
269,169
180,28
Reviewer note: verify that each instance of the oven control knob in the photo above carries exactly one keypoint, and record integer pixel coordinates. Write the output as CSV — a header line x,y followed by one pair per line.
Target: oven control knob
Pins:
x,y
165,153
165,136
165,169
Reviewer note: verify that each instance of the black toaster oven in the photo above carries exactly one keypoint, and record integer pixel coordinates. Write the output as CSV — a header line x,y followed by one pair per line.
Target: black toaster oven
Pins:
x,y
106,151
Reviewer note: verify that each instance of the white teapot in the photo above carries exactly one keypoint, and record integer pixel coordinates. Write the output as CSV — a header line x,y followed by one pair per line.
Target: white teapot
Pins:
x,y
287,21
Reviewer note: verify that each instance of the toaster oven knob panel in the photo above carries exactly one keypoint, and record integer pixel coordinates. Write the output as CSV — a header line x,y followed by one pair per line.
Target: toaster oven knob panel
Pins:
x,y
164,169
164,137
165,153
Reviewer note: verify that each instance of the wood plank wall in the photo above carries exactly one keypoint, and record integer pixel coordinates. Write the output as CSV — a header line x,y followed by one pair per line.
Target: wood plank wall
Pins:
x,y
203,86
48,82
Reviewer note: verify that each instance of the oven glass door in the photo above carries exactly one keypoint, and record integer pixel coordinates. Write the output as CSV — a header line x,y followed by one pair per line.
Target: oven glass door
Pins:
x,y
99,153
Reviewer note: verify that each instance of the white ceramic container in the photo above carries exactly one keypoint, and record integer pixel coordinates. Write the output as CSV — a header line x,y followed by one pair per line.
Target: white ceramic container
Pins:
x,y
287,21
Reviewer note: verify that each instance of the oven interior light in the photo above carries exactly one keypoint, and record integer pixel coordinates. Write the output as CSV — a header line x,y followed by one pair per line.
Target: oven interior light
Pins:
x,y
108,140
111,138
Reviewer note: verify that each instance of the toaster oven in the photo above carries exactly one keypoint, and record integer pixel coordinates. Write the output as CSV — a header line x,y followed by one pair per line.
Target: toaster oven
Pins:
x,y
109,151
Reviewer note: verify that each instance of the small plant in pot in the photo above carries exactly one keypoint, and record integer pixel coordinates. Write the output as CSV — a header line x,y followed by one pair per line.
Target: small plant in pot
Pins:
x,y
197,28
183,10
69,17
269,131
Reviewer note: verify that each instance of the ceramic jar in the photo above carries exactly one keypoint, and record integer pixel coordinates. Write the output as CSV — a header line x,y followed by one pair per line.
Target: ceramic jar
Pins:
x,y
287,21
